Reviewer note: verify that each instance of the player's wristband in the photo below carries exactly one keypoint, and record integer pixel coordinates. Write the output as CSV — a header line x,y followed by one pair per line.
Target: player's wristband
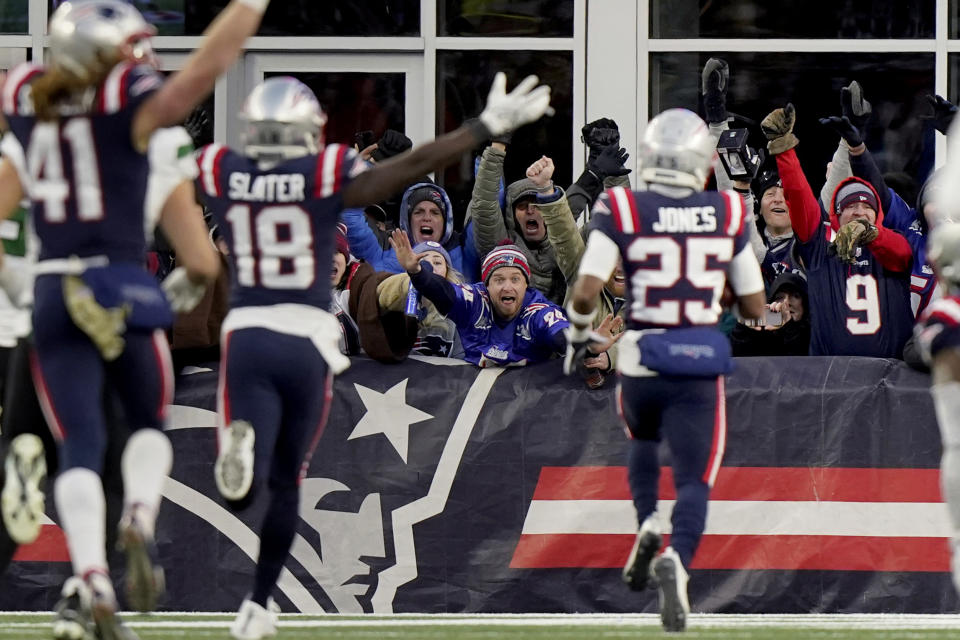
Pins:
x,y
259,6
580,319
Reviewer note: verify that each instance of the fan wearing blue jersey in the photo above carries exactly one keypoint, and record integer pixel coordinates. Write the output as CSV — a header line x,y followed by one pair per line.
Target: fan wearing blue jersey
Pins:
x,y
938,338
679,246
502,321
277,202
77,149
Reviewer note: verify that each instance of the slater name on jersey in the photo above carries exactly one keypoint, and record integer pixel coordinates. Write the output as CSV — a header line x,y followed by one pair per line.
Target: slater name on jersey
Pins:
x,y
686,220
280,187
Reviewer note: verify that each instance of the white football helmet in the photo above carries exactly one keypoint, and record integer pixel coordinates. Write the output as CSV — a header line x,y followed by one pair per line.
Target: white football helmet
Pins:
x,y
677,150
943,252
282,119
87,35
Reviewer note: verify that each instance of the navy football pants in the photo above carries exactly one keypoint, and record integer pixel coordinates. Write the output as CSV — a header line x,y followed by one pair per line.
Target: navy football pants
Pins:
x,y
691,414
69,375
281,385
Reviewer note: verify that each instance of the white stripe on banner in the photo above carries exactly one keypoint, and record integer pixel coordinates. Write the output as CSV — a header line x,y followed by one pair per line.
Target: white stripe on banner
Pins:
x,y
749,517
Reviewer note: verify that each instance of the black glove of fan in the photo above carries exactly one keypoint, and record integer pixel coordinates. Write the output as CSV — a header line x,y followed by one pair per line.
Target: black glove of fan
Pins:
x,y
713,84
846,129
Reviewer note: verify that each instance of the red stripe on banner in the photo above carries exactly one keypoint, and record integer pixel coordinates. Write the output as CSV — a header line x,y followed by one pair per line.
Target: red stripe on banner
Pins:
x,y
50,546
785,553
753,483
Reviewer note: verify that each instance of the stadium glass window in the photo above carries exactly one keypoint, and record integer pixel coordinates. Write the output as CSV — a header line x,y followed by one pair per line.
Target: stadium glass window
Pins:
x,y
463,81
897,135
289,18
527,18
810,19
14,16
357,101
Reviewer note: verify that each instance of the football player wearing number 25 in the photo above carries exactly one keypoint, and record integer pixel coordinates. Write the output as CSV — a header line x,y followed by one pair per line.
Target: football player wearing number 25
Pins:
x,y
679,245
277,201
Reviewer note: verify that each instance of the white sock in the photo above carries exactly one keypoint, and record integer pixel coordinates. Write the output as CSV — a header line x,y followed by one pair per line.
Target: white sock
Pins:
x,y
946,403
145,464
82,508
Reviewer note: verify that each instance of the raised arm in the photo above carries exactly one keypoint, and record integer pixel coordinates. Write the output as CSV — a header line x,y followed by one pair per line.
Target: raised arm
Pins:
x,y
803,205
562,230
223,40
503,112
489,227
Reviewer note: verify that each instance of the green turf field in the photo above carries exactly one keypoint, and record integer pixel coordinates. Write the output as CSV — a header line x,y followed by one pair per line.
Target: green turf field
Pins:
x,y
526,627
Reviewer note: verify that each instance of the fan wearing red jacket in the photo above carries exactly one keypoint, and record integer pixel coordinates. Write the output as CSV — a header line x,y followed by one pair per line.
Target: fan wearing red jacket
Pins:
x,y
858,271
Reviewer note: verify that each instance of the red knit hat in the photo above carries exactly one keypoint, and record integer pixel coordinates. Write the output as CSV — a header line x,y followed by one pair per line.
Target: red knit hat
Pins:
x,y
342,245
505,255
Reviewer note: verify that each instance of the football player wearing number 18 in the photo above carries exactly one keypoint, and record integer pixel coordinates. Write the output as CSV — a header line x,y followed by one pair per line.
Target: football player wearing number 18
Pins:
x,y
858,271
277,202
679,245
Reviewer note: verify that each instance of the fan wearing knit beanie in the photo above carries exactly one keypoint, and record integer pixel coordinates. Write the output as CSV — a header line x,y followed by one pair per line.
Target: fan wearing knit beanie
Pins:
x,y
436,334
501,321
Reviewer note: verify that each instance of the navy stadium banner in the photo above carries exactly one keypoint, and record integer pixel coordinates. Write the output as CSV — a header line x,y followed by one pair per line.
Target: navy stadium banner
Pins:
x,y
446,488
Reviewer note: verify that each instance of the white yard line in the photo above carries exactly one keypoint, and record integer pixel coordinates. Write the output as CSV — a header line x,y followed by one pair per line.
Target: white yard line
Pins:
x,y
702,620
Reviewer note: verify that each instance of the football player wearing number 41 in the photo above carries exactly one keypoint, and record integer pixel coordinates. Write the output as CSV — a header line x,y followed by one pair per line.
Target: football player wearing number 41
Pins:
x,y
679,245
79,130
277,201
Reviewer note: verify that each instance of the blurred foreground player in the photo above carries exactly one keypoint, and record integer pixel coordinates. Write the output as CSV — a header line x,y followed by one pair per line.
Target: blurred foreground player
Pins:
x,y
80,130
938,336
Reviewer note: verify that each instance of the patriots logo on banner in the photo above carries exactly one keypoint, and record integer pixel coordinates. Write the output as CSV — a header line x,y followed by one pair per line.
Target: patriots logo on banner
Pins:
x,y
447,488
384,463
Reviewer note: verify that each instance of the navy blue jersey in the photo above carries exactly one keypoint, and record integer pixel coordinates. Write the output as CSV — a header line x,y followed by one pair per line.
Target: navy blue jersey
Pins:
x,y
675,252
780,258
857,309
86,181
278,222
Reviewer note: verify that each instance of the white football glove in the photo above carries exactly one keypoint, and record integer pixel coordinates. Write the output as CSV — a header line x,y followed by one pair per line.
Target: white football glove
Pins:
x,y
184,295
508,111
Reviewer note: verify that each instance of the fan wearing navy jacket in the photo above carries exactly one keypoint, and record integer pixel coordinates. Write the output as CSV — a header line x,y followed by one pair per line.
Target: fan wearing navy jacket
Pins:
x,y
858,271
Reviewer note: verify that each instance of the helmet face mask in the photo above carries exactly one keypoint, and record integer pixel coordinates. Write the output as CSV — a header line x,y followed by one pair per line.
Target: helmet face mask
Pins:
x,y
89,36
676,150
282,118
